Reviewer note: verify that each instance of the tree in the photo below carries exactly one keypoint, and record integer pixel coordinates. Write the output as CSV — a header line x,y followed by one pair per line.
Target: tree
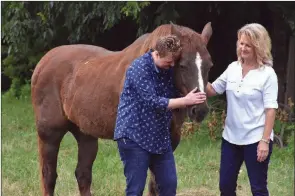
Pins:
x,y
30,29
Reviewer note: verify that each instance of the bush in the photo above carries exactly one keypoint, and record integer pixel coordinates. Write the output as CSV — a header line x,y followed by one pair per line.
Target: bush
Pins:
x,y
214,123
284,124
17,91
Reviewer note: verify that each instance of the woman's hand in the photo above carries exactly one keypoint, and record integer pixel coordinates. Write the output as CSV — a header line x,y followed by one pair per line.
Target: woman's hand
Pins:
x,y
262,151
193,98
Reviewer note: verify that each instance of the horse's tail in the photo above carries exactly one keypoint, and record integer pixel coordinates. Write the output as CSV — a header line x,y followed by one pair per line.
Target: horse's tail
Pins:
x,y
41,162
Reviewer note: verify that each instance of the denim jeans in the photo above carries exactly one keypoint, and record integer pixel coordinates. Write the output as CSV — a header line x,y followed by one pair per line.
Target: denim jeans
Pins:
x,y
232,157
136,162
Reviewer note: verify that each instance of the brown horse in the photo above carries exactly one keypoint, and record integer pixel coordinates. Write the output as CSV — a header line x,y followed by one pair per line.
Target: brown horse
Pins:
x,y
76,88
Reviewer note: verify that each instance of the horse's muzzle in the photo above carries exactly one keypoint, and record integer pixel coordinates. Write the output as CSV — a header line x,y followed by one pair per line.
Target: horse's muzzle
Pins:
x,y
198,112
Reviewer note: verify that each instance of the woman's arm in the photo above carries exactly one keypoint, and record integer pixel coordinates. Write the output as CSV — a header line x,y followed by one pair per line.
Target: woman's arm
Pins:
x,y
270,94
270,115
263,146
219,85
210,90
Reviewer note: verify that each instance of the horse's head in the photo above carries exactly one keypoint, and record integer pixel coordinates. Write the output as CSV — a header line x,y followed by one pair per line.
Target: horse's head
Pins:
x,y
193,65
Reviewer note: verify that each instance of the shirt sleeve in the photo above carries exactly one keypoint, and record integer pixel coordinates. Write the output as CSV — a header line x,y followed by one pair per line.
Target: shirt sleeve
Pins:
x,y
143,84
270,91
219,85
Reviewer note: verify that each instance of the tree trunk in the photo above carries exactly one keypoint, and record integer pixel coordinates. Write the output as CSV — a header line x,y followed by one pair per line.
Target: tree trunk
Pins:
x,y
290,86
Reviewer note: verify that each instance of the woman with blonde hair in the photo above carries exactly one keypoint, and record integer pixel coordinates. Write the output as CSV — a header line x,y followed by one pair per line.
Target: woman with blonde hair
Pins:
x,y
251,89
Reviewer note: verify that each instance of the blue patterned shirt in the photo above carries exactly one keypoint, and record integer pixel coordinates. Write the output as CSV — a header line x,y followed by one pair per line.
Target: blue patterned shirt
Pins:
x,y
143,114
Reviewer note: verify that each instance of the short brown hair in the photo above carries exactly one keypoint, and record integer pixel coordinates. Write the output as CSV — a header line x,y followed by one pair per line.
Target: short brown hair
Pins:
x,y
167,44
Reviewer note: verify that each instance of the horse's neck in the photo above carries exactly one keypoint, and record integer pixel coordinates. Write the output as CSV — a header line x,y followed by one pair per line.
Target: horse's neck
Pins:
x,y
129,54
125,57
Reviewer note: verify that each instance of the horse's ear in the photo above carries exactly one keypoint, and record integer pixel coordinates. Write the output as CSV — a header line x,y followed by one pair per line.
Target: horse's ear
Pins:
x,y
207,32
175,30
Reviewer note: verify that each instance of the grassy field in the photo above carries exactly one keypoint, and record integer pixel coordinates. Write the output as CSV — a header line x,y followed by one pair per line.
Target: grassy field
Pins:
x,y
197,159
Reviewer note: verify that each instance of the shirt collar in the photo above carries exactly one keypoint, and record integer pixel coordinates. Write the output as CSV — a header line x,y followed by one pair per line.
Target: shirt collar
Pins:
x,y
157,69
152,60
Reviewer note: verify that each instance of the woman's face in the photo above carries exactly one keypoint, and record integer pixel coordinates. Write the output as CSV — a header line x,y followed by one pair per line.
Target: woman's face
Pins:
x,y
164,62
246,48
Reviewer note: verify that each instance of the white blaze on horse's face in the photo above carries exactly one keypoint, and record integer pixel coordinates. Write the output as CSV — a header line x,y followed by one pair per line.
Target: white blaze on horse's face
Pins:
x,y
198,62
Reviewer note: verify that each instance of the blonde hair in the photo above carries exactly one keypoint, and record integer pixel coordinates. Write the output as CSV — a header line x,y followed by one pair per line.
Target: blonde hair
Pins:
x,y
260,41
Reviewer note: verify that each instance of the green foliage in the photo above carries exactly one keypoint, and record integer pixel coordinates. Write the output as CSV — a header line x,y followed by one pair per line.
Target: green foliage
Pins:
x,y
284,123
133,8
30,29
17,91
213,124
149,19
25,35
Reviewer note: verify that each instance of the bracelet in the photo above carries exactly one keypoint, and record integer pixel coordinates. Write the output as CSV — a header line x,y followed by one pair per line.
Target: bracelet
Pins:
x,y
264,140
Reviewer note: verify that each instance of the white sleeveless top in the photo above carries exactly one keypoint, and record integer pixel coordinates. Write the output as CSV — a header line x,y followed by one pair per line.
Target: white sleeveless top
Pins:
x,y
247,99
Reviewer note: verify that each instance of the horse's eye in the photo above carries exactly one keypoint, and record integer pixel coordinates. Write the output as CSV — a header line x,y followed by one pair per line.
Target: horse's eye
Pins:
x,y
182,66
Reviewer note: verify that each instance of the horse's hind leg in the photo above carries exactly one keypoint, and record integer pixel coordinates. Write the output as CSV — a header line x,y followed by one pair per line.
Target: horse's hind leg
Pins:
x,y
87,150
49,139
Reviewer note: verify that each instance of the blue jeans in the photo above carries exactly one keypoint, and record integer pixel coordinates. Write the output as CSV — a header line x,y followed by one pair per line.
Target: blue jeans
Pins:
x,y
232,157
136,162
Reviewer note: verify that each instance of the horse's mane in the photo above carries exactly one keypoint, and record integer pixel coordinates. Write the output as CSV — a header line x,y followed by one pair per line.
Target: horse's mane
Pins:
x,y
147,41
164,30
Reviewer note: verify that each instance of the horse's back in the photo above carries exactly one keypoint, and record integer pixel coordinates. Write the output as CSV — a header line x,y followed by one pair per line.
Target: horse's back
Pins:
x,y
70,53
53,74
82,83
61,61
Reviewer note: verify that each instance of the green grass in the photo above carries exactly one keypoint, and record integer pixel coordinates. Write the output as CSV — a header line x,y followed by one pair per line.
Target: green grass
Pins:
x,y
197,160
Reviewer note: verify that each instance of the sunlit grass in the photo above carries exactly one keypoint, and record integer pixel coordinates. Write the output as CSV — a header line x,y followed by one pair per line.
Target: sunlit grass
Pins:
x,y
197,159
